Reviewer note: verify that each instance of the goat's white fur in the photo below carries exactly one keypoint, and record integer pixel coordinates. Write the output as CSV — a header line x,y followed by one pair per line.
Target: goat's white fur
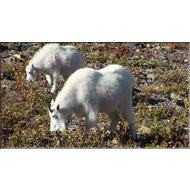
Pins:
x,y
89,92
54,61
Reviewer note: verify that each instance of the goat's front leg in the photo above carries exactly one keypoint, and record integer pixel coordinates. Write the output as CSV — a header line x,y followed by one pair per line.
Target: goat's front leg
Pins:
x,y
90,122
49,79
87,130
55,81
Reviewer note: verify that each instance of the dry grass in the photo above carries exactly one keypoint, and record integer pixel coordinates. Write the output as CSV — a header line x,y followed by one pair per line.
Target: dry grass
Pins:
x,y
180,45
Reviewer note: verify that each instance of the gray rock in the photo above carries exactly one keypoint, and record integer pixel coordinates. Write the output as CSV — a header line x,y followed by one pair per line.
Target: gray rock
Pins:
x,y
14,95
178,108
143,81
151,76
4,54
172,95
136,57
167,49
14,47
33,122
158,47
72,127
159,56
10,60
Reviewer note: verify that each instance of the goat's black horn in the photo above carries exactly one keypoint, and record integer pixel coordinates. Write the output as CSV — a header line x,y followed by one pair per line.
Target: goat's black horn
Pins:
x,y
48,107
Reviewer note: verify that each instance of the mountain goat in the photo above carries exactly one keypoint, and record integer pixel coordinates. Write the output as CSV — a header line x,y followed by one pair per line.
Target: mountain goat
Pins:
x,y
88,92
54,60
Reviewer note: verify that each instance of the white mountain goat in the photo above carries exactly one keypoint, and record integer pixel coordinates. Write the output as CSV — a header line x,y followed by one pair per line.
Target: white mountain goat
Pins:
x,y
54,61
88,92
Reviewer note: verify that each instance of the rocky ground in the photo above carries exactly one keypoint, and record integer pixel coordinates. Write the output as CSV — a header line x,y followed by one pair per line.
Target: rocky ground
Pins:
x,y
160,98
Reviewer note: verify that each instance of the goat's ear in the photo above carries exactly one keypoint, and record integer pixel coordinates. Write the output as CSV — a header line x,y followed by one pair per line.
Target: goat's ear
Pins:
x,y
58,108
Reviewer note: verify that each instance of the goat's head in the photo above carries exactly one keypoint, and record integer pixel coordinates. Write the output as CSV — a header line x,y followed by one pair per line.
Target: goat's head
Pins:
x,y
57,118
31,72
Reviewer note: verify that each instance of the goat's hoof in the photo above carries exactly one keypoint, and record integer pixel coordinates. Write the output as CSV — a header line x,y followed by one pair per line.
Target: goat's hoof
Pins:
x,y
134,136
53,91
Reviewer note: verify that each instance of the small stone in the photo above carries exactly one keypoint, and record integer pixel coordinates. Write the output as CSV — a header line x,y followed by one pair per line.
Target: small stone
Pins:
x,y
172,95
58,143
178,108
101,128
143,81
148,45
72,127
185,60
150,76
114,141
17,56
102,45
136,57
167,49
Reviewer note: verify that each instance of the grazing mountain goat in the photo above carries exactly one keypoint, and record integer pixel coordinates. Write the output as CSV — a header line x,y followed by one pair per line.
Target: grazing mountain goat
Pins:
x,y
89,92
54,60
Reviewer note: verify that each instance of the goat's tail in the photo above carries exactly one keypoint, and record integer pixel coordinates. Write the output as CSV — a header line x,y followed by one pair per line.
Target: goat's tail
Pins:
x,y
130,80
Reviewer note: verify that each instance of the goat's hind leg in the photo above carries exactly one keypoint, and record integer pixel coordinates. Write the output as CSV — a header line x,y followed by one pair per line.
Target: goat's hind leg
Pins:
x,y
127,114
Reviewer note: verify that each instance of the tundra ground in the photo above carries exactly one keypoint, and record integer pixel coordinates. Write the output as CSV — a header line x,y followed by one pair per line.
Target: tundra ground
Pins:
x,y
160,98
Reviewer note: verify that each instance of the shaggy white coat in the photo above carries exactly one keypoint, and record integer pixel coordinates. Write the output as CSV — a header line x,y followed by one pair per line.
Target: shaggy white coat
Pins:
x,y
54,61
89,92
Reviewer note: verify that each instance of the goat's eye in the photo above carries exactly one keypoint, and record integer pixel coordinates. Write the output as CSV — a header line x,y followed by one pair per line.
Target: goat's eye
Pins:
x,y
54,116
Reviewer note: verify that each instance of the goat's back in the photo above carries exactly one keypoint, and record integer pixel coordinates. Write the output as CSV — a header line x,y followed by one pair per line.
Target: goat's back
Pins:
x,y
119,70
103,89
